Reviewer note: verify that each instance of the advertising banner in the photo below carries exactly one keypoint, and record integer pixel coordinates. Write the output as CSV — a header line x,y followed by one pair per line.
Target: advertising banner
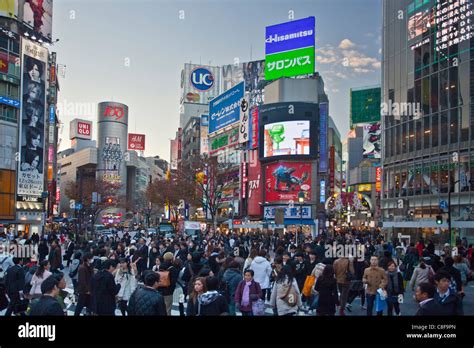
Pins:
x,y
174,154
204,148
253,128
372,141
224,110
244,121
32,125
287,138
378,179
199,83
81,129
136,142
255,192
283,181
332,169
3,63
9,8
322,191
289,35
291,63
323,131
365,105
39,15
296,212
224,140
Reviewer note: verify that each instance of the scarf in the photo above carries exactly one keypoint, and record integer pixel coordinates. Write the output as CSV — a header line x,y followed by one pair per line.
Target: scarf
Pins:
x,y
246,294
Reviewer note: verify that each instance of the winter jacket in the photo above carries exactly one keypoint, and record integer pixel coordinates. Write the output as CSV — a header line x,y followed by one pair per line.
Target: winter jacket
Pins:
x,y
146,301
452,305
173,275
232,277
84,279
464,270
104,290
37,281
375,278
419,276
127,282
328,296
54,258
14,280
393,290
46,305
255,292
455,275
262,271
279,291
300,273
211,303
341,266
75,264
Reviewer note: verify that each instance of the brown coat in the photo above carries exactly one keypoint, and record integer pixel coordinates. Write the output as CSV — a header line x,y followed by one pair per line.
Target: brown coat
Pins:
x,y
341,266
84,279
375,278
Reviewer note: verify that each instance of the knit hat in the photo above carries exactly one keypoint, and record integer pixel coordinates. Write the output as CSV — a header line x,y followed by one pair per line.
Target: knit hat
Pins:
x,y
168,256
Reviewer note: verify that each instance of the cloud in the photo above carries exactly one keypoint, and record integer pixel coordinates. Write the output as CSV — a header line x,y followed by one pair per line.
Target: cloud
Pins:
x,y
326,60
380,51
346,44
356,59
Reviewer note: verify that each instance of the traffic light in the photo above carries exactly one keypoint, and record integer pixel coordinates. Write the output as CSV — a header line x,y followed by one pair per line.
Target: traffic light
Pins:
x,y
110,200
439,220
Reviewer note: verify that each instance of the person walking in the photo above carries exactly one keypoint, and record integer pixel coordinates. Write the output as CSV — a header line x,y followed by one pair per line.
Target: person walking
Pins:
x,y
146,300
424,295
199,288
262,270
14,283
395,288
40,275
104,289
69,251
247,292
47,304
126,277
168,271
85,273
374,278
286,297
55,257
423,273
461,265
211,303
326,288
449,301
232,277
344,271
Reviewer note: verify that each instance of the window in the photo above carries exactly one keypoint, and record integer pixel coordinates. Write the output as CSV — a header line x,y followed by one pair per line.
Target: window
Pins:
x,y
453,126
434,93
434,131
453,87
418,134
444,128
426,132
411,137
404,137
444,89
4,43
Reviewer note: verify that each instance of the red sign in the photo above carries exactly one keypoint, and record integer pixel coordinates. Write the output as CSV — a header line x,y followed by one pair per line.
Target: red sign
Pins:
x,y
51,154
378,179
3,63
115,111
284,180
243,191
58,194
332,161
254,135
84,128
255,192
136,142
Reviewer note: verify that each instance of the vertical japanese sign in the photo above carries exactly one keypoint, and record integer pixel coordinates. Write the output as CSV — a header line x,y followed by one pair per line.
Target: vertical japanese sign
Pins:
x,y
244,121
332,169
32,125
323,125
204,130
254,129
378,179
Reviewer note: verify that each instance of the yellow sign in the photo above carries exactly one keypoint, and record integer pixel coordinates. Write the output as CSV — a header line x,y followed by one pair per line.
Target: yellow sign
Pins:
x,y
365,187
111,177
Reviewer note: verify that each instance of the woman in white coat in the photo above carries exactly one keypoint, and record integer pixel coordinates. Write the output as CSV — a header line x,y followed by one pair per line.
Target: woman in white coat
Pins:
x,y
262,270
126,277
40,275
286,297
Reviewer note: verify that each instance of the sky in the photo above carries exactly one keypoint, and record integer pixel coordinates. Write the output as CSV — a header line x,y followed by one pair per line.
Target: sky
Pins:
x,y
132,51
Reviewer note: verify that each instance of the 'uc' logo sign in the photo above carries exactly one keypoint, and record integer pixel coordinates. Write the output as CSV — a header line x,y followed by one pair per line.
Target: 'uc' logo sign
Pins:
x,y
202,79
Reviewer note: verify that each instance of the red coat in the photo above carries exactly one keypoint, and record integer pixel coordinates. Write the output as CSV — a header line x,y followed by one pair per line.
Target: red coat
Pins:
x,y
254,290
419,247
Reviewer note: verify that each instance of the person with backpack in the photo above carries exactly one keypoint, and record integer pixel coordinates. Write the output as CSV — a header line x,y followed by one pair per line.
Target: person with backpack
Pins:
x,y
212,303
286,297
326,289
39,276
168,280
231,279
248,292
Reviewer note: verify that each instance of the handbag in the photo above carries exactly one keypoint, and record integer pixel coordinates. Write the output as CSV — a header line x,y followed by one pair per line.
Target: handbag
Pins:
x,y
380,305
308,285
258,307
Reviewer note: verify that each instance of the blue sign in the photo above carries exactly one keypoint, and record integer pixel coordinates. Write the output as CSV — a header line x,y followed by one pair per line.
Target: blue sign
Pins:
x,y
290,213
11,102
443,205
290,35
78,206
322,191
51,114
202,79
323,124
224,110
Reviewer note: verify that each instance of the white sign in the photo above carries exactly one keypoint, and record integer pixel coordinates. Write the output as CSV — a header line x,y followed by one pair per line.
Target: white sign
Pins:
x,y
192,225
244,121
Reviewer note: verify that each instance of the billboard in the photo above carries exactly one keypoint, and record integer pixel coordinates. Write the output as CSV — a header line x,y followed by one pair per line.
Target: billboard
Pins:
x,y
244,121
253,128
323,131
252,73
287,138
199,83
32,125
283,181
255,192
38,15
204,130
136,142
289,49
378,179
372,140
174,154
113,112
9,8
365,105
419,23
81,129
224,110
225,140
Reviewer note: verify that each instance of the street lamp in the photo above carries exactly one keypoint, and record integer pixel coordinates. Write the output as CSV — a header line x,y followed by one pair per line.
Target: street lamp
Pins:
x,y
301,200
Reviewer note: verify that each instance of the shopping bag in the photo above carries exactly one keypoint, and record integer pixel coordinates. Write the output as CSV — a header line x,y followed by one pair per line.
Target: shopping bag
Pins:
x,y
380,305
258,307
308,285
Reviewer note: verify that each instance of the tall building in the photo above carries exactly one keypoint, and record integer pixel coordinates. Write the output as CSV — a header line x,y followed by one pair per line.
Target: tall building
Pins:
x,y
428,119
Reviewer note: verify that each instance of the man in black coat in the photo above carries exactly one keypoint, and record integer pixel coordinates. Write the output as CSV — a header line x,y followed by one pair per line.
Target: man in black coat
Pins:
x,y
146,300
104,289
14,283
450,303
69,251
142,251
424,294
47,303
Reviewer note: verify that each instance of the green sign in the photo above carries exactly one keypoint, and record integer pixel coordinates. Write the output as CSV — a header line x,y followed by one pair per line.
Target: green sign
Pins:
x,y
224,140
289,63
365,105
